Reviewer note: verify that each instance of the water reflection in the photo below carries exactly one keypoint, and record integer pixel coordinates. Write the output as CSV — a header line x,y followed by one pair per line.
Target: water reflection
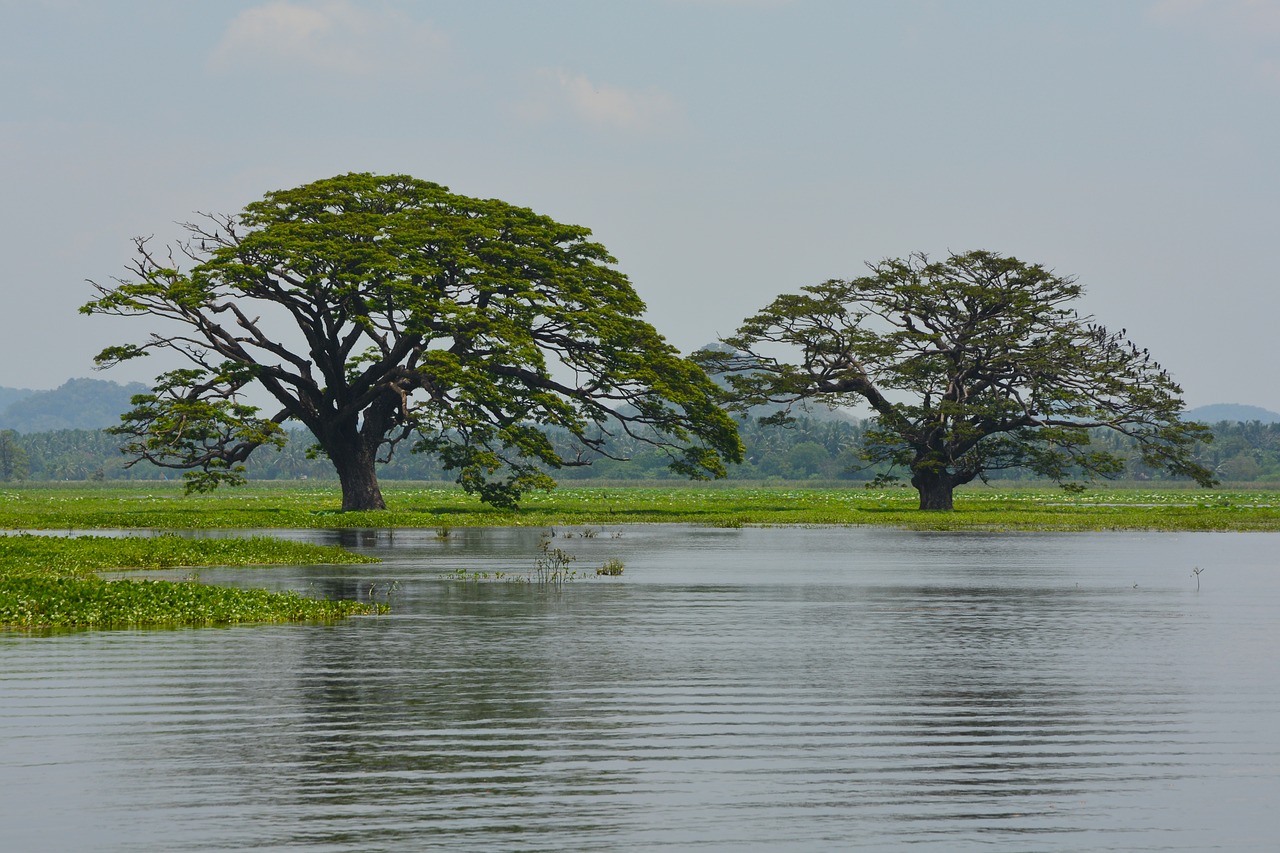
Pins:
x,y
745,689
1013,690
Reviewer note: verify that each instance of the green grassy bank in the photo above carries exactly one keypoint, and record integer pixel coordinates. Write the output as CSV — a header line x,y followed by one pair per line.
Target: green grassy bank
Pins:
x,y
304,505
52,582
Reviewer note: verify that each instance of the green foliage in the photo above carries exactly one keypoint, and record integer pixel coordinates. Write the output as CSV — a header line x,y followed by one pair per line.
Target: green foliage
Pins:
x,y
50,582
13,457
973,365
1244,452
1239,453
193,418
612,568
471,326
552,567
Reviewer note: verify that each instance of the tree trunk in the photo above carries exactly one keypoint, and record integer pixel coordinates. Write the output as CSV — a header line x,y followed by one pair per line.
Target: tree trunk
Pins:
x,y
935,490
936,496
359,480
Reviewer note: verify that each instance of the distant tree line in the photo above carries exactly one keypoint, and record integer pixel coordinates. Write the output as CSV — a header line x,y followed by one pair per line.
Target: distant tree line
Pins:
x,y
810,448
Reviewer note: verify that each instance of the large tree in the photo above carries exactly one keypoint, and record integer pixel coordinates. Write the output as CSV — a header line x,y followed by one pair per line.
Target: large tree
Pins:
x,y
378,309
13,457
972,364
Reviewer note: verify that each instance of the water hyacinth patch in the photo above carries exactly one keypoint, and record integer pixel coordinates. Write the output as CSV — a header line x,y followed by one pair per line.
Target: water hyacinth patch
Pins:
x,y
32,600
51,582
84,554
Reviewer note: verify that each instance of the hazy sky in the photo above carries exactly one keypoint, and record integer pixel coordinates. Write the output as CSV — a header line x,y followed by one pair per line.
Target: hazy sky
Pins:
x,y
725,151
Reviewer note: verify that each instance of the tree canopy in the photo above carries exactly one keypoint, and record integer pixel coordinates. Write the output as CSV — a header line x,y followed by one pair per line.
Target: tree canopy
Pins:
x,y
13,457
972,365
376,310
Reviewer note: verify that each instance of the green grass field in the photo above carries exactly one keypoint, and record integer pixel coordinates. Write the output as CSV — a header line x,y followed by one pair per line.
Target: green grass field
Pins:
x,y
295,505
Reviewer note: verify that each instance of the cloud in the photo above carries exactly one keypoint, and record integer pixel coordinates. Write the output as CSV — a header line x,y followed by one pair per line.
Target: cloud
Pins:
x,y
598,104
334,36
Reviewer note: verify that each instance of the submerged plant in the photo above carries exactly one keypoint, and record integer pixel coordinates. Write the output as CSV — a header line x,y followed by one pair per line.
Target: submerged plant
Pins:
x,y
384,590
553,566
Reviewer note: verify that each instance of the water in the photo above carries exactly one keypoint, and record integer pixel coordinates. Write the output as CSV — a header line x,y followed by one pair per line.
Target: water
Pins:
x,y
754,689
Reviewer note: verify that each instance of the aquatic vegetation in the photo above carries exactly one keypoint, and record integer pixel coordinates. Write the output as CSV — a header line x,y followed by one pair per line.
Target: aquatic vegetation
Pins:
x,y
550,567
52,582
83,555
34,600
294,505
553,566
466,577
611,568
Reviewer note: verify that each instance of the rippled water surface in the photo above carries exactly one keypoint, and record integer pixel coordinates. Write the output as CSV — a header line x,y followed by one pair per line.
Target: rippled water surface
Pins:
x,y
754,689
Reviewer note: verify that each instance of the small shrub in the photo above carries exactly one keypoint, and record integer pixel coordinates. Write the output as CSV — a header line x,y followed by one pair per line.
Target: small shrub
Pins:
x,y
553,566
612,568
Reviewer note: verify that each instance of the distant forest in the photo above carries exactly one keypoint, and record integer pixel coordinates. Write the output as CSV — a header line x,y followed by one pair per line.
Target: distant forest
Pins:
x,y
813,449
54,435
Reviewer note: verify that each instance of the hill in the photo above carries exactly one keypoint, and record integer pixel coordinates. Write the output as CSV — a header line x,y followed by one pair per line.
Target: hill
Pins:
x,y
1232,413
76,404
13,395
